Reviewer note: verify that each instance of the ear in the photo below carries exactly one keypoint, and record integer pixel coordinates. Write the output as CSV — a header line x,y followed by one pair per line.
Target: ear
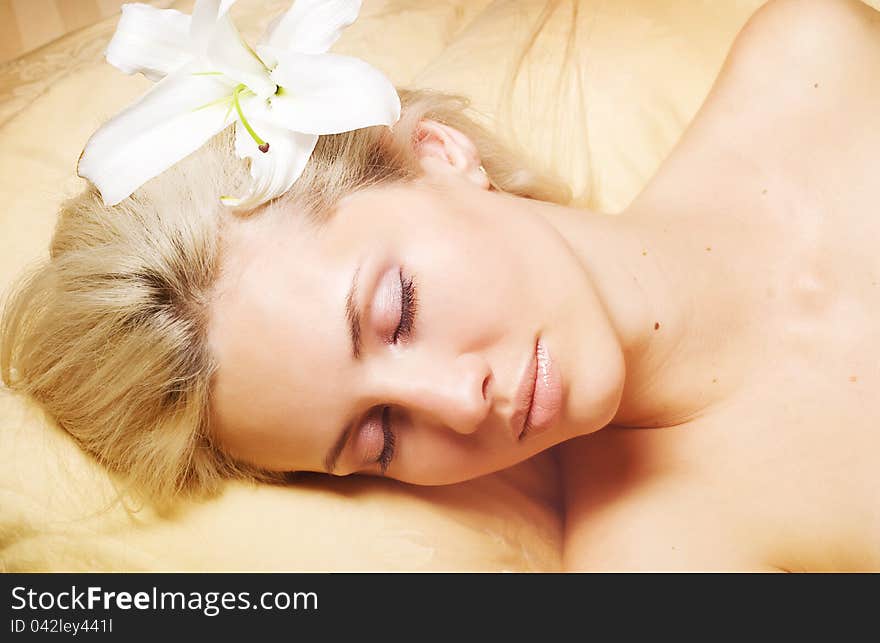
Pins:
x,y
443,150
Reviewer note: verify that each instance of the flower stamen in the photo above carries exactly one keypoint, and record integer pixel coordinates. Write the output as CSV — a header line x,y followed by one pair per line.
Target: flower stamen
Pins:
x,y
262,145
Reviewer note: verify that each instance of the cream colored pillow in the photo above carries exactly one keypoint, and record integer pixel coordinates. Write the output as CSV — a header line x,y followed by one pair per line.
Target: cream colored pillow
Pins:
x,y
603,118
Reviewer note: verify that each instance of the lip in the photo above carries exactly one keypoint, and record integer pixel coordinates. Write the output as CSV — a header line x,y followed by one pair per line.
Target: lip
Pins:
x,y
539,395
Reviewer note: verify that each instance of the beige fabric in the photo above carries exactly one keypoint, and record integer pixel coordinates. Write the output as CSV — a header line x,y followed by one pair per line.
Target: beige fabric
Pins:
x,y
601,96
28,24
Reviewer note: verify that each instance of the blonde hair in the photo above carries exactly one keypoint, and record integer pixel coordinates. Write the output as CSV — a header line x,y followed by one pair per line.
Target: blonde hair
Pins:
x,y
109,333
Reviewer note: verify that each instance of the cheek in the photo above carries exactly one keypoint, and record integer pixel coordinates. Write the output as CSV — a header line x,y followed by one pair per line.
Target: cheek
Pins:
x,y
437,456
491,264
467,284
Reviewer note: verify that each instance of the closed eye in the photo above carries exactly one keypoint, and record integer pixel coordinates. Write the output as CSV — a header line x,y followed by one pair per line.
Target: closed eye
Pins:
x,y
387,454
408,309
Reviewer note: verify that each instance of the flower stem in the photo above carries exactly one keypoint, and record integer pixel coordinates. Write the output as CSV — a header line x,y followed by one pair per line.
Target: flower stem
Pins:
x,y
261,144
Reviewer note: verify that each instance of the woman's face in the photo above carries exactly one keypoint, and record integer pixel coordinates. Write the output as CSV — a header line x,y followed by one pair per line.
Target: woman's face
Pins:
x,y
394,337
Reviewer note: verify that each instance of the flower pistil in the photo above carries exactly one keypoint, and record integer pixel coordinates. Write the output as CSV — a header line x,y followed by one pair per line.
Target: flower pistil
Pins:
x,y
261,144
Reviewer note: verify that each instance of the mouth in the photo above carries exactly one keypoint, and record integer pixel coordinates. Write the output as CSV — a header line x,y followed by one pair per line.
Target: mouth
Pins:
x,y
539,395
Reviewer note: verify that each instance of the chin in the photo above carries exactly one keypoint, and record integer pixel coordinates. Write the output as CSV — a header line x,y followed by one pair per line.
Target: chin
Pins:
x,y
594,403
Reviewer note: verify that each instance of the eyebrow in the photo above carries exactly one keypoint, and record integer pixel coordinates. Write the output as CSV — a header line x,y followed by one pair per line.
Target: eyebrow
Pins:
x,y
353,316
336,450
354,331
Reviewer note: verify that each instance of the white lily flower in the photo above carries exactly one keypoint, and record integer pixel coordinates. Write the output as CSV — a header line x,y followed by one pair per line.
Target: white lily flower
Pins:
x,y
280,100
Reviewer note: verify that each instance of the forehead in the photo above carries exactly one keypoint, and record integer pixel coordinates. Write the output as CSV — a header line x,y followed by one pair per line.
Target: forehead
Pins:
x,y
278,333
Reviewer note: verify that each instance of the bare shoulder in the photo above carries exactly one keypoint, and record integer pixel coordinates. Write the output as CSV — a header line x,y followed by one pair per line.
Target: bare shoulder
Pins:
x,y
795,29
626,512
788,47
799,86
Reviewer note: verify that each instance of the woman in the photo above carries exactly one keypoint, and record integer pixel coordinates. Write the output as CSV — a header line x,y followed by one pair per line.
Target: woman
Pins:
x,y
702,363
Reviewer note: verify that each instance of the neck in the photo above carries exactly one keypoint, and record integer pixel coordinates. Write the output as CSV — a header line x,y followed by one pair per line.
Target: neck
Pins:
x,y
659,284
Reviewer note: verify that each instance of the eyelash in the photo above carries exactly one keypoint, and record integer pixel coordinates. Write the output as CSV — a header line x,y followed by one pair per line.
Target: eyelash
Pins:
x,y
408,308
387,454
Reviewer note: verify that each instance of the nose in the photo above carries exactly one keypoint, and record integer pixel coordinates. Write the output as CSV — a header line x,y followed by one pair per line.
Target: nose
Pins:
x,y
455,392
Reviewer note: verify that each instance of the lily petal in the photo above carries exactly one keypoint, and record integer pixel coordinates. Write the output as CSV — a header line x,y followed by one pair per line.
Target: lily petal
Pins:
x,y
228,53
309,27
150,41
176,117
205,15
329,94
275,171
